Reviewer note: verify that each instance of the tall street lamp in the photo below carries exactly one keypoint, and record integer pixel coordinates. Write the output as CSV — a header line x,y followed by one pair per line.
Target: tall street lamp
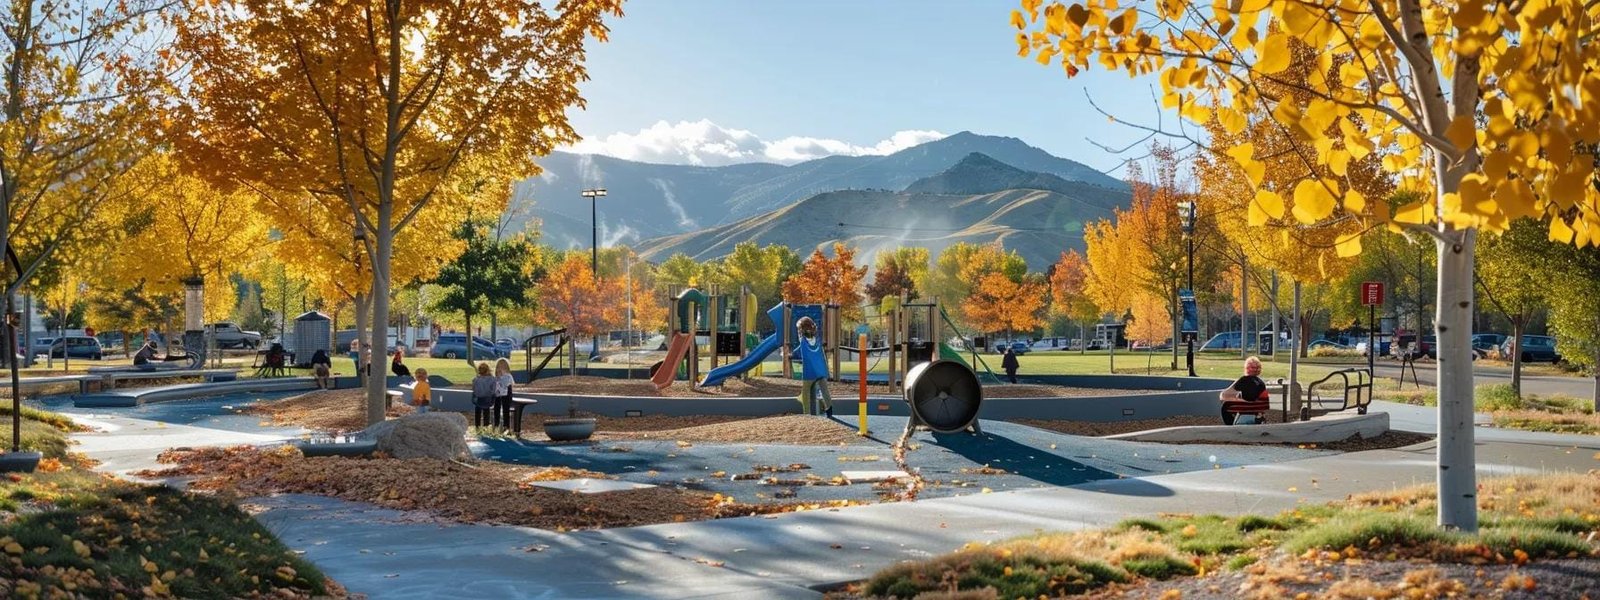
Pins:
x,y
1186,213
594,195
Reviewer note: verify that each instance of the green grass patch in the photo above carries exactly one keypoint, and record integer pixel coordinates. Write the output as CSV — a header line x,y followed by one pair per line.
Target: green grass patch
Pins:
x,y
1150,525
56,420
42,432
1211,535
66,532
1159,567
1011,576
1368,530
1249,523
139,539
1241,561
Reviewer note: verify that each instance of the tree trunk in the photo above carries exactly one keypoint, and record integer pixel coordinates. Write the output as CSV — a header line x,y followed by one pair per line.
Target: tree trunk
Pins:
x,y
363,319
1458,500
468,313
1244,310
384,246
1517,325
1294,356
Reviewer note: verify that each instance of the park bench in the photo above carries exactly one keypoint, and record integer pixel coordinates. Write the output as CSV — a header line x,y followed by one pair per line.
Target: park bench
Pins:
x,y
1257,408
109,380
1340,390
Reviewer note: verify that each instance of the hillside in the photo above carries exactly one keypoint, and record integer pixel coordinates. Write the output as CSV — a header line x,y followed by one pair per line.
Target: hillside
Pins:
x,y
651,200
989,201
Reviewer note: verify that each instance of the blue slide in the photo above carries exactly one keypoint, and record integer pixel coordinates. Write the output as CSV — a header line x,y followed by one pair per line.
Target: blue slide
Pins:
x,y
767,346
750,360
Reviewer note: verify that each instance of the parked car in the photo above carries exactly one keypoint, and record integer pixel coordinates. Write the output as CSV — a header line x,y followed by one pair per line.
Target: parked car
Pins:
x,y
228,335
1535,348
1326,343
76,346
42,345
1227,340
506,344
454,345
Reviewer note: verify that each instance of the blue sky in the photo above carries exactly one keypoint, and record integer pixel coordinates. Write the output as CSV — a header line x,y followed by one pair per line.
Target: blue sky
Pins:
x,y
721,81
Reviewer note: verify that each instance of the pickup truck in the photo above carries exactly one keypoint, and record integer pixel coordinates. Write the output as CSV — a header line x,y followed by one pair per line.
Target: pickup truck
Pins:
x,y
228,335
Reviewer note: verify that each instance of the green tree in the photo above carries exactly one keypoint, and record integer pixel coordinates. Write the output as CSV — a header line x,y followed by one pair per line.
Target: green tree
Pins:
x,y
1510,282
897,272
491,274
1571,278
678,271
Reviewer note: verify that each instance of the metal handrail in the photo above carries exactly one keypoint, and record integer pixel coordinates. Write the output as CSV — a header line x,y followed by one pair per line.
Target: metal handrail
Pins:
x,y
1363,381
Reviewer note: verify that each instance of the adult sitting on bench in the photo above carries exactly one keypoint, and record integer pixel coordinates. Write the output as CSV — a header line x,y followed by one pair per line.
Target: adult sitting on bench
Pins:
x,y
145,359
1248,395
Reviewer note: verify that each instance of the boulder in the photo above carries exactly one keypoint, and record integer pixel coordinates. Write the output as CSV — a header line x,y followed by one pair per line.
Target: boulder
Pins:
x,y
428,435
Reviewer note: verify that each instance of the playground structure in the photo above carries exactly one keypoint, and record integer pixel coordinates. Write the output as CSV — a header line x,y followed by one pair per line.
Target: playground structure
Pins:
x,y
728,324
914,332
562,339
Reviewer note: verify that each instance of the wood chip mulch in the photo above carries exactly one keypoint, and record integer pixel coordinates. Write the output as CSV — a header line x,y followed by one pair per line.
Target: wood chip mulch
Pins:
x,y
338,411
1355,580
471,491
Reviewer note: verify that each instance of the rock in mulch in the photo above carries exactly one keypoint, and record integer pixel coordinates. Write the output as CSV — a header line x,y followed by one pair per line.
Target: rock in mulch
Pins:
x,y
430,435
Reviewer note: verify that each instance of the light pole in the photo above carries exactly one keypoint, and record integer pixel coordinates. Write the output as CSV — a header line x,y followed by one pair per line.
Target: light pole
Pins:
x,y
594,195
1186,213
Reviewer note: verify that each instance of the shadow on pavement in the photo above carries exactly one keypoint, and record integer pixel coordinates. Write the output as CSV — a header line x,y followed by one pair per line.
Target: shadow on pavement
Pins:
x,y
1019,459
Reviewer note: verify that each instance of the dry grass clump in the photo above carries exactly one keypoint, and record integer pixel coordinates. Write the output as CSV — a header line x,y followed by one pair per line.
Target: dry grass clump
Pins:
x,y
1523,519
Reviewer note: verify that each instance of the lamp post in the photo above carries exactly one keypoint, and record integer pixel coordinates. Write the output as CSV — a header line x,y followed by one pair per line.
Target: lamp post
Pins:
x,y
594,195
1186,214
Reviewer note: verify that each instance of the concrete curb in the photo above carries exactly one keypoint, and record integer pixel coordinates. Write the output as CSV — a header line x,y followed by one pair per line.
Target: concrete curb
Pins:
x,y
1318,430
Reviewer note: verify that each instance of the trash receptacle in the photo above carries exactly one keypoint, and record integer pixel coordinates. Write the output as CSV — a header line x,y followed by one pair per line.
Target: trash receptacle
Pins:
x,y
312,331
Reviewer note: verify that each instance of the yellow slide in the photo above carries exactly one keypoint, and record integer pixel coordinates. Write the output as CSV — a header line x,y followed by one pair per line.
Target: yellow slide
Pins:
x,y
676,348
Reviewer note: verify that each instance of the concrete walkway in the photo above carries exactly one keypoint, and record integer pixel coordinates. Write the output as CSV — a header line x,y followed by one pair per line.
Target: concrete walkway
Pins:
x,y
393,554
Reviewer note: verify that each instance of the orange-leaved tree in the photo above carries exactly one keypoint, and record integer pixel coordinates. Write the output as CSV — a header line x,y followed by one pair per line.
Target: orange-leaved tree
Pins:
x,y
1488,108
1001,303
373,110
571,296
824,280
1069,291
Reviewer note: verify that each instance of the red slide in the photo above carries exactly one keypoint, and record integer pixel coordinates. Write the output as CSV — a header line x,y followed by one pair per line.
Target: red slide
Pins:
x,y
669,367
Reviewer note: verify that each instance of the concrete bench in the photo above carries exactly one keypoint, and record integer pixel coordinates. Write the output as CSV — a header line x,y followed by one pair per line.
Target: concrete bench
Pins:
x,y
518,404
83,381
209,375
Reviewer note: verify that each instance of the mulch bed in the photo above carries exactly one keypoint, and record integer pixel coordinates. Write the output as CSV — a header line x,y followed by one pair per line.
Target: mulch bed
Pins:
x,y
470,491
322,410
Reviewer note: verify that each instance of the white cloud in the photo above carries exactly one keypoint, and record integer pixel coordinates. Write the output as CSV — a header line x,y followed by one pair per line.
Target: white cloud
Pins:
x,y
707,144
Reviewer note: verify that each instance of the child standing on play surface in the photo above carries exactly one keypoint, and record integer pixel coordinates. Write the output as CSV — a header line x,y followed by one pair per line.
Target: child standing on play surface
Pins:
x,y
813,370
502,393
482,397
421,392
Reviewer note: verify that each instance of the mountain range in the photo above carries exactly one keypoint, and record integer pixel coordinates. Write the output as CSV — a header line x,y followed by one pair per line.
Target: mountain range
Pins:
x,y
646,201
978,200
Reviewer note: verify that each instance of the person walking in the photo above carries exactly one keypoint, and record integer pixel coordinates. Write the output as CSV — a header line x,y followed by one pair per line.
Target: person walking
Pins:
x,y
813,370
1009,363
322,368
483,397
1247,395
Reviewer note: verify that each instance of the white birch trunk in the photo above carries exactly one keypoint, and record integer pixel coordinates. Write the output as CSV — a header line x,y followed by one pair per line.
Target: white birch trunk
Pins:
x,y
1458,499
384,247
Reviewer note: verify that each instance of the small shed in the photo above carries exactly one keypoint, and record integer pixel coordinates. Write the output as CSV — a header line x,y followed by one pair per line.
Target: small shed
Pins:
x,y
312,331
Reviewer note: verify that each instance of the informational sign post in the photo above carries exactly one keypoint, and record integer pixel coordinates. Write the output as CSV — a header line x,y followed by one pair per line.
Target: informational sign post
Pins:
x,y
1371,297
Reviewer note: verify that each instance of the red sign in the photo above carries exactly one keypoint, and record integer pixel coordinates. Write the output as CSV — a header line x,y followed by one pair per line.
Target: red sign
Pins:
x,y
89,331
1371,293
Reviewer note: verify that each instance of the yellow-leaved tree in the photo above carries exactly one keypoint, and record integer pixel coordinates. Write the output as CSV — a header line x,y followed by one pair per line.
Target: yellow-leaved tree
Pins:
x,y
1488,108
370,112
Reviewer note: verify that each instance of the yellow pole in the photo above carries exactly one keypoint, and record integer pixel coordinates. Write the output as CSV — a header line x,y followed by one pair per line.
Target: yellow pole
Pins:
x,y
861,407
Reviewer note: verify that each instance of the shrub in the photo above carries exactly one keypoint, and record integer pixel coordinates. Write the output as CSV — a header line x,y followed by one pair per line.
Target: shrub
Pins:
x,y
1496,397
1351,529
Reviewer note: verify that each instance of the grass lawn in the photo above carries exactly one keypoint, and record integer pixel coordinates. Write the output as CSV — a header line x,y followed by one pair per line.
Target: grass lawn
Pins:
x,y
1522,518
1556,413
69,532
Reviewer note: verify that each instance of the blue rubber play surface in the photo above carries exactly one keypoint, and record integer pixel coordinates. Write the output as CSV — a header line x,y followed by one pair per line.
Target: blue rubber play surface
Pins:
x,y
215,412
1005,456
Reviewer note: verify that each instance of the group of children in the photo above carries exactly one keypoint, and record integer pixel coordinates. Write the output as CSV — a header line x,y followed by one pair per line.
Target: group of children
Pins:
x,y
491,395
